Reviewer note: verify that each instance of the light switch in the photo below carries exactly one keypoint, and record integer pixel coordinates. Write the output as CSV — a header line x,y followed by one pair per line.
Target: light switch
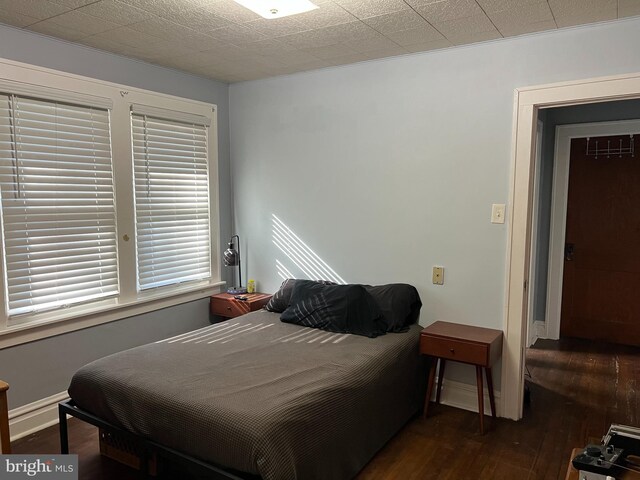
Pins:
x,y
438,275
497,213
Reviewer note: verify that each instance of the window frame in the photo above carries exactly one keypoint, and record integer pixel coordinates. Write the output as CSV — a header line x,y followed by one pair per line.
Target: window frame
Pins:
x,y
130,301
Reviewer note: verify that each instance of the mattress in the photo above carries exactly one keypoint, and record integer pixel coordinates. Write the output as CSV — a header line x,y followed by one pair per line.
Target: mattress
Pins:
x,y
260,396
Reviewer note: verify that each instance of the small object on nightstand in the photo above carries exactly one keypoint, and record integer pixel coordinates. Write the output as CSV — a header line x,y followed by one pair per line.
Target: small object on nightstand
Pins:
x,y
231,306
476,346
251,286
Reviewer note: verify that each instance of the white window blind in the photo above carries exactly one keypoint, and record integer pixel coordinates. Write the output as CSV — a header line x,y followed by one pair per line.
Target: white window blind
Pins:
x,y
58,211
172,200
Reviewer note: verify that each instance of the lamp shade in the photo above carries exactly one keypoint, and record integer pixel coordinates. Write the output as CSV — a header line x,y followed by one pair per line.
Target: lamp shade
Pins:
x,y
231,257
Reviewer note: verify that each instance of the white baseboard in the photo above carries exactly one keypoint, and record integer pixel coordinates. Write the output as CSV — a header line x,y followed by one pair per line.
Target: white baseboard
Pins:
x,y
537,330
462,395
35,416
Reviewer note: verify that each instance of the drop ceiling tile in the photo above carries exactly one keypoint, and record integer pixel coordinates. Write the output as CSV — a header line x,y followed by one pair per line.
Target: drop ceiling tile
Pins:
x,y
585,18
497,5
350,31
237,34
40,9
73,3
47,27
157,26
268,47
166,8
195,41
371,8
628,8
128,37
164,48
449,10
466,38
514,30
329,35
468,25
202,20
396,21
83,23
516,17
387,52
426,46
411,36
372,44
16,19
330,51
116,12
327,15
276,27
103,43
348,59
576,12
230,10
297,57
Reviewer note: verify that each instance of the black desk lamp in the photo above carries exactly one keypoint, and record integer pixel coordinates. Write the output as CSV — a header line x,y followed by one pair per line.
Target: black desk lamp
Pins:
x,y
231,258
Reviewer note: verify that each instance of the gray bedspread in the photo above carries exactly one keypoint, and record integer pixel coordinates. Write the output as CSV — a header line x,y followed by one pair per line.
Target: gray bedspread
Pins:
x,y
260,396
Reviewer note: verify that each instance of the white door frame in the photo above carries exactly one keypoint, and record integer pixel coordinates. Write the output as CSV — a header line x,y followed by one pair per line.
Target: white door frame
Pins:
x,y
564,135
527,102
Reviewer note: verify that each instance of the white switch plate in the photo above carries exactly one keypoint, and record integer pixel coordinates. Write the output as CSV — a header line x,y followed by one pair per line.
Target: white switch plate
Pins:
x,y
497,213
438,275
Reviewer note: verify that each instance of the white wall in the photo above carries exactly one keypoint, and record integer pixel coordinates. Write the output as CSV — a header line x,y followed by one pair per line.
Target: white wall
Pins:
x,y
389,167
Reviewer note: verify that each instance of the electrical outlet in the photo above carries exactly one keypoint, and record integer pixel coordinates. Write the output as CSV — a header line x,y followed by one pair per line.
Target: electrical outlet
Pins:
x,y
438,275
497,213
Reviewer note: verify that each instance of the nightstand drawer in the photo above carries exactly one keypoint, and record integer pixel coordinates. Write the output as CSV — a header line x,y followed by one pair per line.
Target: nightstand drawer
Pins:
x,y
225,305
457,350
229,309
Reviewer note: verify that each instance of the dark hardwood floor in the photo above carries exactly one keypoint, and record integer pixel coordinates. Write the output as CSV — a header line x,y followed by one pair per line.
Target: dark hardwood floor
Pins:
x,y
578,388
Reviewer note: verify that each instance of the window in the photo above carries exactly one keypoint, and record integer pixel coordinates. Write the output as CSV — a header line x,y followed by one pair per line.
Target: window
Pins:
x,y
172,199
107,202
57,203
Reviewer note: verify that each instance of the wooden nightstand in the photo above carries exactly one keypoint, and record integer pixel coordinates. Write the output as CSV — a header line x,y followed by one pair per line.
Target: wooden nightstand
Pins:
x,y
224,305
463,343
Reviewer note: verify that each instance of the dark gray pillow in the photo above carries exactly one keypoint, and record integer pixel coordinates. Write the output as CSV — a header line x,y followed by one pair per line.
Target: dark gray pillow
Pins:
x,y
281,299
335,308
399,303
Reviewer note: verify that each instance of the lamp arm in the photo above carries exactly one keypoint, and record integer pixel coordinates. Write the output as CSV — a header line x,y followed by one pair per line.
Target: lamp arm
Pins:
x,y
239,269
239,264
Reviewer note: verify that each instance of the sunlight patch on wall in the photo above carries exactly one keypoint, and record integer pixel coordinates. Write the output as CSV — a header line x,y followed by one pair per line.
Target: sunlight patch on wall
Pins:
x,y
300,255
283,271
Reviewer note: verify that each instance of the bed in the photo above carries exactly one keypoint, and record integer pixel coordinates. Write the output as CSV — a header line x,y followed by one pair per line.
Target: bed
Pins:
x,y
259,396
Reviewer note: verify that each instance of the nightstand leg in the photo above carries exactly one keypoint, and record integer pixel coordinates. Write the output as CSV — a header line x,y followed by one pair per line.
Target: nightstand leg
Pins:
x,y
440,377
432,375
480,398
492,400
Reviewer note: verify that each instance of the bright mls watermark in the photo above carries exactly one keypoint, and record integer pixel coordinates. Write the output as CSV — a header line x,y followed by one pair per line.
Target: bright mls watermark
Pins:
x,y
50,467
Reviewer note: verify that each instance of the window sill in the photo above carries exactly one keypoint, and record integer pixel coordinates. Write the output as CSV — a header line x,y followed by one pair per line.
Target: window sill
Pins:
x,y
49,324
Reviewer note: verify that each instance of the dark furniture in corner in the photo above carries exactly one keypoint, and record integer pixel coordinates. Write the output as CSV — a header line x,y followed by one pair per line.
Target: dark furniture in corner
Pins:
x,y
226,306
476,346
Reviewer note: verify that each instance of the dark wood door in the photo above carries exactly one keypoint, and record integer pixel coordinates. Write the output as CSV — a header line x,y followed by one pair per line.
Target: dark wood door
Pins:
x,y
601,284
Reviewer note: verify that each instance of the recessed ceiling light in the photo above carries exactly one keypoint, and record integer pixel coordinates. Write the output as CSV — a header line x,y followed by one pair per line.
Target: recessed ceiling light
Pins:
x,y
277,8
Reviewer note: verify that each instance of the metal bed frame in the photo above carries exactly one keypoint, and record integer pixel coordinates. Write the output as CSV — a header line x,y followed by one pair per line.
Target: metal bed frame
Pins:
x,y
147,447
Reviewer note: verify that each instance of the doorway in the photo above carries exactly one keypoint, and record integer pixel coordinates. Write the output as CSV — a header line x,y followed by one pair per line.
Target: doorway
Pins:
x,y
601,256
592,220
528,103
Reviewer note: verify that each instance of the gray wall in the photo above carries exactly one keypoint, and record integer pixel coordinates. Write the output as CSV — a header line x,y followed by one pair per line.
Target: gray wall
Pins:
x,y
39,369
389,167
43,368
597,112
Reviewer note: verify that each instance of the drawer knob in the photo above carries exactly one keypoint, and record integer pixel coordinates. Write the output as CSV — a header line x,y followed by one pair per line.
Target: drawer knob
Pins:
x,y
229,308
452,350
